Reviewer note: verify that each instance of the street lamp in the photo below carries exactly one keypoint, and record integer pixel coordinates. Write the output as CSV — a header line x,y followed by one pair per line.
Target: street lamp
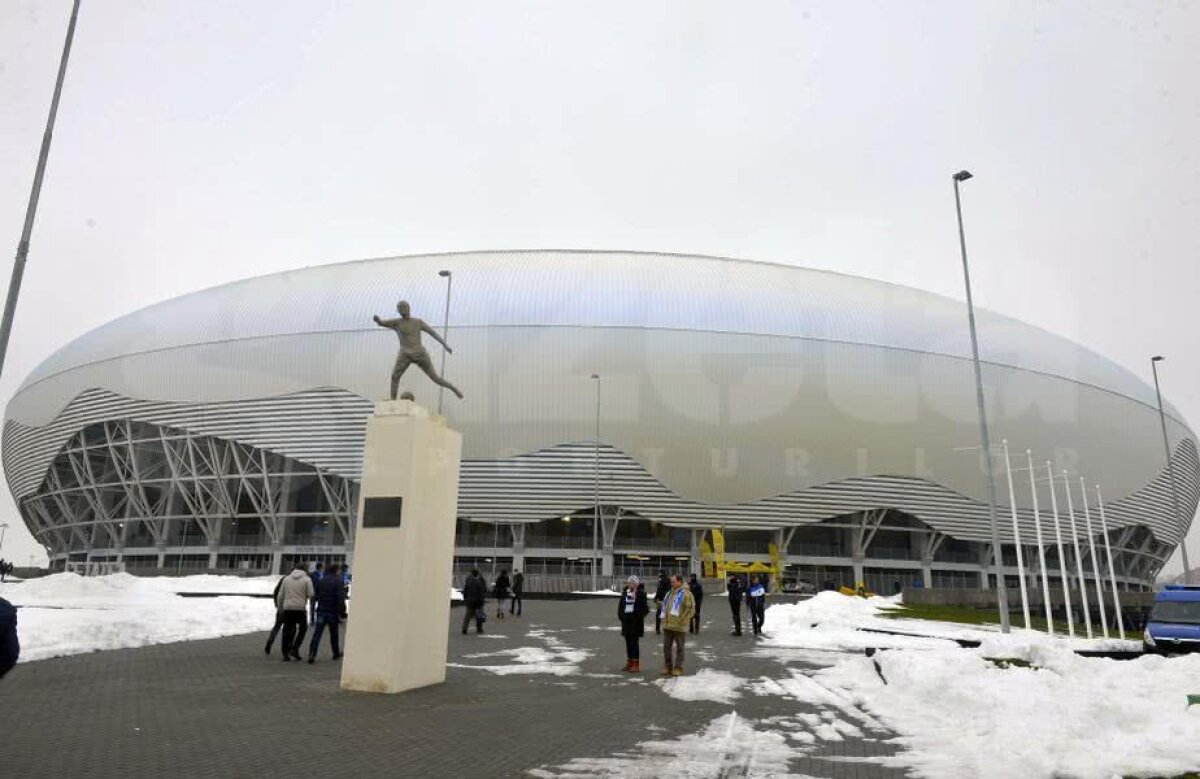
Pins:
x,y
1162,420
3,530
1001,584
449,277
596,491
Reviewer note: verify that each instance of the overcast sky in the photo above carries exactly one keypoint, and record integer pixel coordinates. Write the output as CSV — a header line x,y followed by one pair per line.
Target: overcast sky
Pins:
x,y
203,142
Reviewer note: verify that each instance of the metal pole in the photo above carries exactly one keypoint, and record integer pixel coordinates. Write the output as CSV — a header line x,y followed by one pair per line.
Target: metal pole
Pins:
x,y
1112,574
445,334
1012,504
1087,516
3,530
1037,526
1087,614
14,286
1001,590
596,492
1162,420
1062,561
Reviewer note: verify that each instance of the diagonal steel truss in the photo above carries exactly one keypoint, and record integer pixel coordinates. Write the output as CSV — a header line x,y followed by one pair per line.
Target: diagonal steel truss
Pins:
x,y
117,476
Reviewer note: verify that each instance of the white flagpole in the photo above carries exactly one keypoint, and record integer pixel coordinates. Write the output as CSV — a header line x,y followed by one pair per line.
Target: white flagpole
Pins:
x,y
1012,504
1062,561
1087,516
1037,526
1087,615
1112,574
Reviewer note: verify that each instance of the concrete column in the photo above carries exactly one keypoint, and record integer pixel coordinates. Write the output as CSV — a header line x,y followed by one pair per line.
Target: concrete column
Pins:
x,y
162,555
856,561
694,561
927,572
985,558
212,556
518,546
277,560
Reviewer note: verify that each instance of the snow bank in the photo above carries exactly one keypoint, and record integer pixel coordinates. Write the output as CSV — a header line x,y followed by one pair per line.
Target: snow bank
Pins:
x,y
832,621
607,592
554,658
959,715
67,614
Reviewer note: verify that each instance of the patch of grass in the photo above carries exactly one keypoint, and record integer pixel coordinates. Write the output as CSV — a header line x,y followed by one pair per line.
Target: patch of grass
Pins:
x,y
968,615
1009,662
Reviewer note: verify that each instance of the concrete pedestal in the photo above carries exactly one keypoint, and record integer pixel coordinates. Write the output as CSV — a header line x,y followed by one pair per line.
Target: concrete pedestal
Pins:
x,y
403,551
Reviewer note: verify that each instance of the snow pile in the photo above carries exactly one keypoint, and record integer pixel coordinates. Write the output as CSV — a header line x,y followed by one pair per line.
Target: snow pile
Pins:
x,y
455,594
728,746
67,614
960,715
605,592
707,685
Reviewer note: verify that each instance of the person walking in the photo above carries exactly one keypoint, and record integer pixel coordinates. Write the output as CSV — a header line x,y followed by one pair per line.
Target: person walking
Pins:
x,y
331,607
664,586
474,592
295,592
736,592
501,591
697,590
631,612
756,599
518,588
676,610
278,616
10,646
316,575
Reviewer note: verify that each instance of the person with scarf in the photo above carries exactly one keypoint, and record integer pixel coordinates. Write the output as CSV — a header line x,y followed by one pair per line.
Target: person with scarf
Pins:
x,y
676,611
631,611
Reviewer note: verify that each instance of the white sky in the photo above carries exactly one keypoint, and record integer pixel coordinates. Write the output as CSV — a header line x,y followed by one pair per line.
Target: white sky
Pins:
x,y
203,142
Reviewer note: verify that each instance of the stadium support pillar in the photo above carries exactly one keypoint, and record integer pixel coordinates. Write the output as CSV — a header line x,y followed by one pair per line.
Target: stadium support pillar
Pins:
x,y
608,528
856,561
695,561
162,555
518,546
985,560
277,561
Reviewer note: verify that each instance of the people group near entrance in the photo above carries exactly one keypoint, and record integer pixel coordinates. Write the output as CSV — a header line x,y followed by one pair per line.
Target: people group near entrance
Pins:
x,y
319,597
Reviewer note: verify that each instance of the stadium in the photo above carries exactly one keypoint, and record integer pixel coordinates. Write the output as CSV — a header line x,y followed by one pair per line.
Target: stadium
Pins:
x,y
619,407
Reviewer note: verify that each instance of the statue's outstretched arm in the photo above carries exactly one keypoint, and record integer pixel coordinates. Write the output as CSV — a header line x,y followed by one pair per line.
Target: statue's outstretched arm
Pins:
x,y
389,323
433,333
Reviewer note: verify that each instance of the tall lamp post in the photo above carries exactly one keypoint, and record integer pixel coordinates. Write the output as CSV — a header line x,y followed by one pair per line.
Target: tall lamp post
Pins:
x,y
449,277
1162,420
14,286
3,530
596,491
1001,585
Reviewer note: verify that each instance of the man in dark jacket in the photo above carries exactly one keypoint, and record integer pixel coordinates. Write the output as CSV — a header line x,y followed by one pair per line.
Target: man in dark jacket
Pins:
x,y
474,592
697,595
518,588
10,648
278,616
756,599
664,586
315,575
736,592
331,607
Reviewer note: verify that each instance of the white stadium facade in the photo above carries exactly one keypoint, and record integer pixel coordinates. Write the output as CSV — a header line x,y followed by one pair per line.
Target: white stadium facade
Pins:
x,y
830,415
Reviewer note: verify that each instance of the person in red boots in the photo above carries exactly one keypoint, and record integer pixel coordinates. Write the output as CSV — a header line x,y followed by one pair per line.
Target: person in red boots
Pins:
x,y
631,611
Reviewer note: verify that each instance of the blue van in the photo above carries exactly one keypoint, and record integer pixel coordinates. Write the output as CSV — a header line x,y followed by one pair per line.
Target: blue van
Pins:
x,y
1174,621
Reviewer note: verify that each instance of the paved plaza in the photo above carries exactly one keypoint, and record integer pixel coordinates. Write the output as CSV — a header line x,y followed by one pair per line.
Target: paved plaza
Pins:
x,y
222,708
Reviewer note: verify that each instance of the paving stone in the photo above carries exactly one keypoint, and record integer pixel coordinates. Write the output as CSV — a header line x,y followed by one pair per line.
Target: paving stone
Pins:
x,y
223,708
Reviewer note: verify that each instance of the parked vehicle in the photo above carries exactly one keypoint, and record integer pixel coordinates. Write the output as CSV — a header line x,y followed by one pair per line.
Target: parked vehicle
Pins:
x,y
798,586
1174,622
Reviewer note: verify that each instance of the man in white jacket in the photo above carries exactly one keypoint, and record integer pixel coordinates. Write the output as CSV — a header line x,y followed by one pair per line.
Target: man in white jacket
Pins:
x,y
295,592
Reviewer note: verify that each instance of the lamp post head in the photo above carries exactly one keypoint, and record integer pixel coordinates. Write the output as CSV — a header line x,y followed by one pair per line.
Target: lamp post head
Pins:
x,y
596,376
1157,358
962,175
444,273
